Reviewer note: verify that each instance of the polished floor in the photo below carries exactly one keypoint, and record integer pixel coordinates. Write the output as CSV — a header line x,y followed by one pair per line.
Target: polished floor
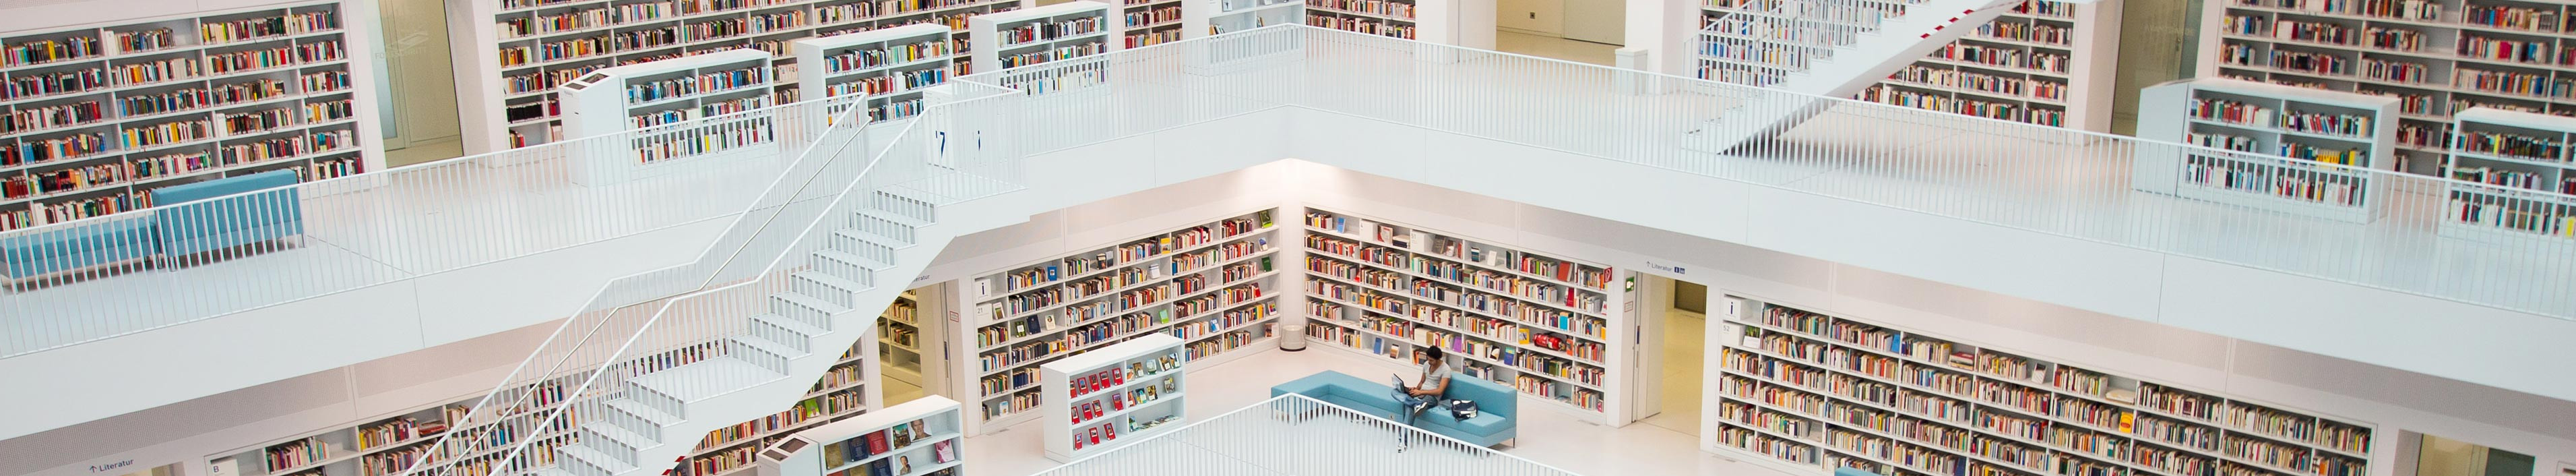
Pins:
x,y
1685,344
1551,47
1548,435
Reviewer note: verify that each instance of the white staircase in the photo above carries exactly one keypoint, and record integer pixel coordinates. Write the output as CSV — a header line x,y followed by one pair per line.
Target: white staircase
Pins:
x,y
1842,47
831,300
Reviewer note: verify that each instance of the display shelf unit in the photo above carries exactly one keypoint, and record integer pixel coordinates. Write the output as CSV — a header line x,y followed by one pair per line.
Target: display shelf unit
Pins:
x,y
1210,284
512,54
99,115
1807,389
2523,158
922,437
1216,17
654,97
2314,128
1039,35
1112,395
2438,57
899,339
842,394
883,70
2046,63
1536,322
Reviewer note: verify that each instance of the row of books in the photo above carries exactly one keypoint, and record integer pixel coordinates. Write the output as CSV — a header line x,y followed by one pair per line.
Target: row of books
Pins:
x,y
2512,82
2542,218
701,83
253,29
1048,31
889,55
1398,9
1360,25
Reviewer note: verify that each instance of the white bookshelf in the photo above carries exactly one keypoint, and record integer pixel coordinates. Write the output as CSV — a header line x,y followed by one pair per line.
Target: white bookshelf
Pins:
x,y
2429,54
1037,35
922,437
883,70
1801,389
2046,63
2524,157
104,113
1537,322
2311,126
652,96
511,54
899,341
1211,284
1113,395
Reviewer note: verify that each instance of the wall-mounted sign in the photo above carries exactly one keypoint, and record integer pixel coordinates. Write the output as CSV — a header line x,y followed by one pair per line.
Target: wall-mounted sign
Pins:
x,y
102,468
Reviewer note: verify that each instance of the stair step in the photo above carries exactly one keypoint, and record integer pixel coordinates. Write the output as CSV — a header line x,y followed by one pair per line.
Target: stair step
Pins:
x,y
792,325
895,218
810,309
846,265
873,237
839,291
594,458
766,345
777,357
615,437
861,261
646,413
701,380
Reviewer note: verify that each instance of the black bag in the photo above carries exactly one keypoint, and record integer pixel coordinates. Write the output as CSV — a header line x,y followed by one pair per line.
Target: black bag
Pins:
x,y
1462,409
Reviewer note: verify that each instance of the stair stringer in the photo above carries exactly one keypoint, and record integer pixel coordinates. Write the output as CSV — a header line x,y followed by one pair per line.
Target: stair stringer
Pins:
x,y
1851,69
681,437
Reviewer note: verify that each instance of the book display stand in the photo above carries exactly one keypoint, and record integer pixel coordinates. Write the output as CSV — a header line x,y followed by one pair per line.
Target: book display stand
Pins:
x,y
2523,158
2352,132
1037,35
728,86
918,438
1113,395
882,70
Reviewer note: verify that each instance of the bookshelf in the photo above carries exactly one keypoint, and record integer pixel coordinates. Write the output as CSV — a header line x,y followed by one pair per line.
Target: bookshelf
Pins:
x,y
2524,156
1226,16
1113,394
1212,284
650,95
883,70
512,54
2437,57
899,339
842,394
1539,323
1816,391
1153,22
99,115
918,438
2312,127
1038,35
2046,63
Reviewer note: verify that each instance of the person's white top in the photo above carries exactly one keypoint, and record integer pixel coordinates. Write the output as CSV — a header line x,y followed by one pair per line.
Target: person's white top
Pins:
x,y
1432,370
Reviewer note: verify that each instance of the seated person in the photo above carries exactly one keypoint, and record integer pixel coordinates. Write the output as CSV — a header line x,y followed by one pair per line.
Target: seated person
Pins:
x,y
1425,392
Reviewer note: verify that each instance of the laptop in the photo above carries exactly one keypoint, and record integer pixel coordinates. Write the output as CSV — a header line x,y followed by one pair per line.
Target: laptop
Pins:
x,y
1398,381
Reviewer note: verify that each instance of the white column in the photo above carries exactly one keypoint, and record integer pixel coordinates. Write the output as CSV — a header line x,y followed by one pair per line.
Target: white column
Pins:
x,y
1665,29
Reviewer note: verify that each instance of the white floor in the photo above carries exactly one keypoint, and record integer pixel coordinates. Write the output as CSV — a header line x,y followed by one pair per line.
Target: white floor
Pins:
x,y
1547,435
1551,47
1685,341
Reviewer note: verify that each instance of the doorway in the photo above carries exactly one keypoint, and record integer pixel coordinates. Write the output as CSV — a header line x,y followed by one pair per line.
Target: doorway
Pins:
x,y
1672,316
908,360
1581,31
2438,456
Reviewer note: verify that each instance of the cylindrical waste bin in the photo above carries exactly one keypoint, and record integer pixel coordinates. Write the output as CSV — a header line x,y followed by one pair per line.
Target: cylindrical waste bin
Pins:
x,y
1293,337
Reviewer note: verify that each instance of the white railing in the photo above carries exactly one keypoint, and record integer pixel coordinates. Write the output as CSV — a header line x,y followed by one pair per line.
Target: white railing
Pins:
x,y
1296,434
77,281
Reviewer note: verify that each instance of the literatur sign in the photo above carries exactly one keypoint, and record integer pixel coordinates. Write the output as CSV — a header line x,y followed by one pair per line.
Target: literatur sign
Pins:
x,y
101,468
1668,268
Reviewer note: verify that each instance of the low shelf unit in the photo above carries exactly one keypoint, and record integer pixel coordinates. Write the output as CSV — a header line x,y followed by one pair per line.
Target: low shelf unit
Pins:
x,y
654,97
1039,35
883,71
899,341
100,115
1809,390
2333,140
923,437
1113,395
1212,285
512,54
1154,22
2529,183
1536,322
1219,17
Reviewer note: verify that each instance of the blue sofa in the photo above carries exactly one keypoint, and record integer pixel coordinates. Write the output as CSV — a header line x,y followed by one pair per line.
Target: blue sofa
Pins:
x,y
1498,407
194,218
